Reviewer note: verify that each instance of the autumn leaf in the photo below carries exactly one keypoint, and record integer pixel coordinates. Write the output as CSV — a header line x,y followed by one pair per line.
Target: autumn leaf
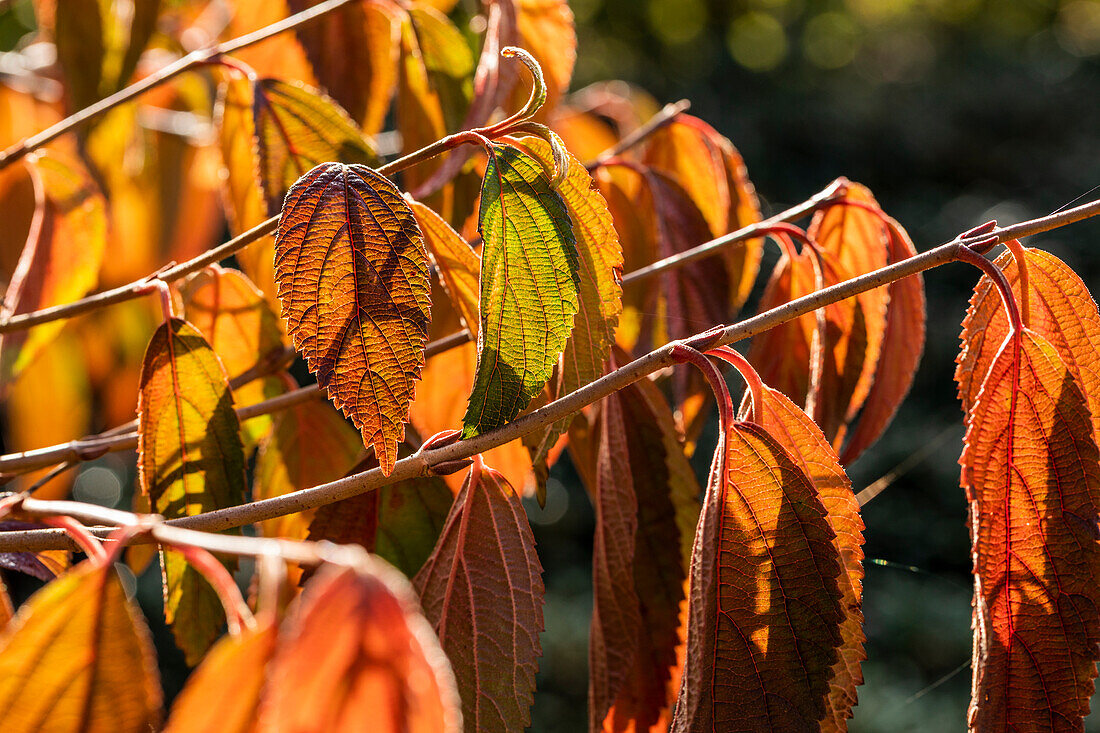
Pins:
x,y
353,54
902,345
238,324
356,655
190,461
458,265
1060,309
448,60
1031,471
207,703
280,56
78,657
310,444
418,110
712,173
547,32
765,608
61,259
353,281
529,284
806,444
482,591
297,128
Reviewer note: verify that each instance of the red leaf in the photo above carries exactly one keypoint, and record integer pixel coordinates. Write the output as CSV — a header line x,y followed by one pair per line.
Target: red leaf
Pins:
x,y
765,608
482,590
355,655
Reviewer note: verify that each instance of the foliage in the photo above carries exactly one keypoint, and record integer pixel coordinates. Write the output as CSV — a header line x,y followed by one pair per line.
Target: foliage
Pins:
x,y
397,585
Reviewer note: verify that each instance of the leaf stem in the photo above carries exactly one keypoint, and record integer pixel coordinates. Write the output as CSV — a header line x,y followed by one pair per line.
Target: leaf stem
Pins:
x,y
237,613
751,377
685,354
1017,251
88,542
969,256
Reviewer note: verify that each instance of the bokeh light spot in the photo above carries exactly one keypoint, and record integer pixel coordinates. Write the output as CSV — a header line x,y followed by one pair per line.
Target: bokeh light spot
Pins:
x,y
830,40
676,21
757,41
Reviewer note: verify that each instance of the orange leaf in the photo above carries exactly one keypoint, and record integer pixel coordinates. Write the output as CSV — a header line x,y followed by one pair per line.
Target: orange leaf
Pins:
x,y
802,438
482,590
281,55
765,609
297,128
459,266
1031,471
310,444
356,655
713,174
354,56
353,281
61,259
78,657
902,344
547,31
208,703
190,461
418,109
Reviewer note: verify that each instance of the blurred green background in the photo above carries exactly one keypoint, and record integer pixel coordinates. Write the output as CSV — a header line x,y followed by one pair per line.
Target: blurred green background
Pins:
x,y
953,112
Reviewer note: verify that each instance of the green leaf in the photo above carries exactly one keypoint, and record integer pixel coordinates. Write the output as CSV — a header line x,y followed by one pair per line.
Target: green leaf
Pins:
x,y
190,461
296,129
353,281
529,284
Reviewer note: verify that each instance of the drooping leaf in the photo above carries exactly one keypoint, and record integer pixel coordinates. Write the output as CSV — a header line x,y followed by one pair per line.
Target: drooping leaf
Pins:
x,y
785,355
765,608
243,200
309,444
354,55
355,654
239,325
902,345
61,259
805,443
17,205
616,618
482,591
297,128
459,266
713,174
1031,471
529,284
857,240
223,694
668,509
353,281
546,30
600,260
78,657
399,522
190,460
1060,309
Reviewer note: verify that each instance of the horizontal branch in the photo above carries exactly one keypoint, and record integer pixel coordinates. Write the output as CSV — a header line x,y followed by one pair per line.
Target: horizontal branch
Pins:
x,y
421,463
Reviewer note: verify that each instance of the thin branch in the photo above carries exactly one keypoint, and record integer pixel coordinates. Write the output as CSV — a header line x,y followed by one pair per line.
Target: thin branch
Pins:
x,y
193,60
667,114
421,463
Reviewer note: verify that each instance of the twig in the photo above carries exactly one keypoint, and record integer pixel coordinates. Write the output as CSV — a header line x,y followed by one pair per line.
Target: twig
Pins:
x,y
421,463
667,114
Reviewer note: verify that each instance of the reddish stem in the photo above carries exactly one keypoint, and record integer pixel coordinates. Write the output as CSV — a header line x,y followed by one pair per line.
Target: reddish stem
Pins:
x,y
685,354
751,377
969,256
1017,251
237,613
88,542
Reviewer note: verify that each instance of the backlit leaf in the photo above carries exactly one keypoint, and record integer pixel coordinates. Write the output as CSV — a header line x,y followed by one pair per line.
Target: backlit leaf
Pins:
x,y
902,345
765,609
802,438
78,657
400,522
713,174
207,703
353,281
418,108
190,460
297,128
1031,471
281,55
354,55
239,325
310,444
459,266
61,259
482,591
546,30
529,284
356,655
448,60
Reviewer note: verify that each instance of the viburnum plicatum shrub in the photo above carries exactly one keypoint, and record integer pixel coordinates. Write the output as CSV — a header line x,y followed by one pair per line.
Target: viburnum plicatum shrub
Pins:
x,y
475,291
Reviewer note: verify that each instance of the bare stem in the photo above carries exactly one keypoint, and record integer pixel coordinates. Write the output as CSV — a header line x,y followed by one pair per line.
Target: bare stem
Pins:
x,y
667,114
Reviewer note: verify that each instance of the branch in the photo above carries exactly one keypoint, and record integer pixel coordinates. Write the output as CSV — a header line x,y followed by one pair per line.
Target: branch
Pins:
x,y
667,114
421,463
